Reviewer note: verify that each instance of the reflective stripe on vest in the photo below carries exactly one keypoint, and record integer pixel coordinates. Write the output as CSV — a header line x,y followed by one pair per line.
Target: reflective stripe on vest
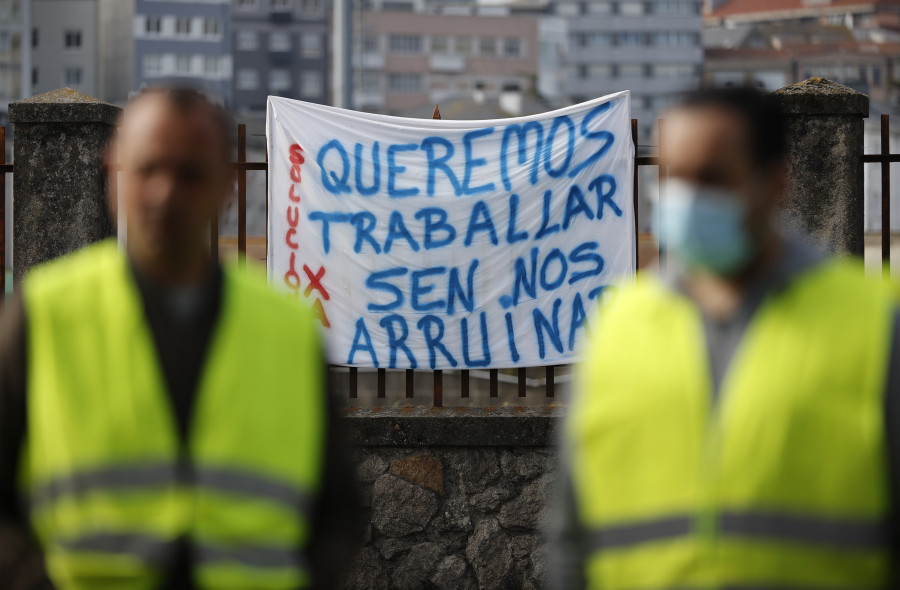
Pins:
x,y
845,534
101,464
160,475
157,551
782,484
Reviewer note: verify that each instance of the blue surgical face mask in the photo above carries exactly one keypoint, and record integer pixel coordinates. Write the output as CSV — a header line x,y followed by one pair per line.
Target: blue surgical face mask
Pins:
x,y
705,227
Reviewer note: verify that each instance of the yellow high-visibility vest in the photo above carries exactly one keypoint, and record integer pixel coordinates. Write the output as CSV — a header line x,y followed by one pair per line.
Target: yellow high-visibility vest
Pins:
x,y
782,483
109,487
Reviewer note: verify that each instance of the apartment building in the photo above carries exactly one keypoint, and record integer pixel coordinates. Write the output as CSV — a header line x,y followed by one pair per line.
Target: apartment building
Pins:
x,y
187,40
15,53
408,55
64,45
281,47
652,48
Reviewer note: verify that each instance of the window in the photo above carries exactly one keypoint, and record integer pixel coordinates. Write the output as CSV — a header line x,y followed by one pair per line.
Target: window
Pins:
x,y
281,5
673,70
310,6
72,77
631,39
72,39
405,43
511,47
370,82
183,64
389,6
34,37
600,8
34,76
279,80
279,41
211,65
682,7
152,65
311,84
405,83
567,9
631,8
596,71
681,39
247,4
631,71
153,25
247,79
182,25
311,45
487,46
439,44
211,26
370,43
464,45
593,39
247,40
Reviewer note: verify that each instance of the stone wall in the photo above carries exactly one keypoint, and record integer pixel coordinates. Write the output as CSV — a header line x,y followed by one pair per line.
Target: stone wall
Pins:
x,y
455,499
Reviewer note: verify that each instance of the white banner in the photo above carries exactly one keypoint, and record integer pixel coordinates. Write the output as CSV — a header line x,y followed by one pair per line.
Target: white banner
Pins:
x,y
450,244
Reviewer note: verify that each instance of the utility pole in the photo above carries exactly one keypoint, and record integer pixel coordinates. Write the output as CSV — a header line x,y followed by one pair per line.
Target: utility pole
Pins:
x,y
341,83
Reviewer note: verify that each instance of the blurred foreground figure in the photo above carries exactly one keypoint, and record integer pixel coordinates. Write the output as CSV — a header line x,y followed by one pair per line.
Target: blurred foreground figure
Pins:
x,y
737,423
166,420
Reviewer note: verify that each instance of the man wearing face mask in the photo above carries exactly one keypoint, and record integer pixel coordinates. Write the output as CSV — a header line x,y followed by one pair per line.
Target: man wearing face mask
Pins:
x,y
736,423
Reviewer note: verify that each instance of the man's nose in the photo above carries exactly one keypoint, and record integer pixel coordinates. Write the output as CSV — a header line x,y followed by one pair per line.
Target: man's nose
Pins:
x,y
163,188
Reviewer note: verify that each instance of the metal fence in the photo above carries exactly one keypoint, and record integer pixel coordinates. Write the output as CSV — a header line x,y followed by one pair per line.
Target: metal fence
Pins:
x,y
524,377
885,158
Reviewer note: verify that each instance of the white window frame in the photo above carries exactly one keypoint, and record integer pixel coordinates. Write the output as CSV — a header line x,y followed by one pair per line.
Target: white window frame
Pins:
x,y
183,25
279,79
311,45
153,65
280,41
246,40
312,84
247,79
404,43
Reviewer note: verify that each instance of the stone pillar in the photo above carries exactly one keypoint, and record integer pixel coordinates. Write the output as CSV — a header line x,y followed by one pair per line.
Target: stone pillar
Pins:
x,y
825,145
59,185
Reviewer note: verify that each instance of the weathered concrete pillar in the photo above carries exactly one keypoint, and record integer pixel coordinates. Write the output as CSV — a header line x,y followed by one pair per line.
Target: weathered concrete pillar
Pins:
x,y
825,145
59,185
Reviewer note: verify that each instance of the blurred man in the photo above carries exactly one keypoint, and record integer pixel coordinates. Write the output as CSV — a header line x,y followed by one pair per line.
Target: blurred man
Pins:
x,y
736,424
166,420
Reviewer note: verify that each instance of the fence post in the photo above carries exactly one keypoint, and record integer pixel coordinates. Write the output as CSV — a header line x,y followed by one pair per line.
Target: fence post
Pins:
x,y
825,147
59,185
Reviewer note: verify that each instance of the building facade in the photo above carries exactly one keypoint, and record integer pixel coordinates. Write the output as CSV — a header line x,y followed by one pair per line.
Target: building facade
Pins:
x,y
281,47
187,40
15,53
652,48
64,46
407,56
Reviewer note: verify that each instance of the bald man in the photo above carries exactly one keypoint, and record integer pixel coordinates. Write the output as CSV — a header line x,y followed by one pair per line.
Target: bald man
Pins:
x,y
164,421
